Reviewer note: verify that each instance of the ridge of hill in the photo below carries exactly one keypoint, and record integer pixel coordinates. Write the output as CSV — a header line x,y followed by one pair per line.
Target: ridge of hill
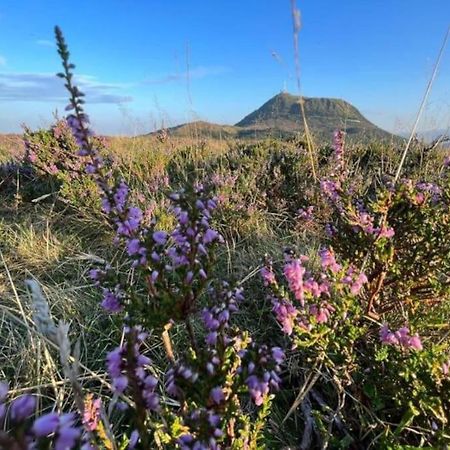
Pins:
x,y
281,116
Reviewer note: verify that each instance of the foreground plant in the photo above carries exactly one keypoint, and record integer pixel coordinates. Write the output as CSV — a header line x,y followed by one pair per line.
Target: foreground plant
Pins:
x,y
202,402
397,232
355,315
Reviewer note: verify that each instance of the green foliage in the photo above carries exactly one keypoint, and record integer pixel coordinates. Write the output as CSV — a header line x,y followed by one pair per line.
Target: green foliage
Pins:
x,y
53,156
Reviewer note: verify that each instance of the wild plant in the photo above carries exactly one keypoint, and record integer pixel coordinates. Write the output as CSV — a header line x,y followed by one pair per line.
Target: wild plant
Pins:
x,y
216,391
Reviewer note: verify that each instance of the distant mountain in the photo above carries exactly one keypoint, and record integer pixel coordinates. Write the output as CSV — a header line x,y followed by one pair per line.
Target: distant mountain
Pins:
x,y
324,115
281,117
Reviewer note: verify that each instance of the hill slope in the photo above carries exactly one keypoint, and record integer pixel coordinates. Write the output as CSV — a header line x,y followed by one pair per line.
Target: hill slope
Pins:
x,y
282,114
281,117
202,129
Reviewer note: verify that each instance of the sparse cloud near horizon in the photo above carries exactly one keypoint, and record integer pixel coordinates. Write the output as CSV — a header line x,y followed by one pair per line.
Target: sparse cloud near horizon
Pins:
x,y
45,43
46,87
197,72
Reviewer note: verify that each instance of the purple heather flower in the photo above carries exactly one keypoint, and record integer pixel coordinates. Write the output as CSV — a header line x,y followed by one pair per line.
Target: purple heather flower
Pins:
x,y
387,337
160,237
400,338
183,218
331,189
111,302
268,276
46,425
67,433
217,395
120,196
199,205
330,230
106,205
133,246
211,338
130,225
278,355
90,169
22,407
211,323
134,438
94,274
118,366
210,236
258,389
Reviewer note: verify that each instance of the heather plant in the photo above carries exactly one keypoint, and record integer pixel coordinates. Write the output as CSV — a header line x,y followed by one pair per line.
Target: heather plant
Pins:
x,y
203,400
350,319
360,381
362,320
57,167
397,231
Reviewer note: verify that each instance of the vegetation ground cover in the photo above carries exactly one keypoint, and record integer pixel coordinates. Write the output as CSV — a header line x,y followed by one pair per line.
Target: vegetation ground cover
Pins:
x,y
217,295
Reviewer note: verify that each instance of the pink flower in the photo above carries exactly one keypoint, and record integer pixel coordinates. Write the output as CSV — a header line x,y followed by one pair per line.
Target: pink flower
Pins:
x,y
387,337
294,271
91,414
285,314
306,214
386,232
415,342
328,260
321,313
358,283
400,338
419,198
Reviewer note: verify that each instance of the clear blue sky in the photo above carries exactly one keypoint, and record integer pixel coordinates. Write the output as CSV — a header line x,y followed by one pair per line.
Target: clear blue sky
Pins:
x,y
132,56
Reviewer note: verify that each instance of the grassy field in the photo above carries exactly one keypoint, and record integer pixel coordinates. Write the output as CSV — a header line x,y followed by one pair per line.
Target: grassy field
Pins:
x,y
53,231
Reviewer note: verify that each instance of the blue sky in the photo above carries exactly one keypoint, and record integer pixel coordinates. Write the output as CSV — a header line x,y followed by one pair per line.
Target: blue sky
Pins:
x,y
133,57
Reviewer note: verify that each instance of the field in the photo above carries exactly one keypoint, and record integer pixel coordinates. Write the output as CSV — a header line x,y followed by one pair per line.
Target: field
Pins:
x,y
183,293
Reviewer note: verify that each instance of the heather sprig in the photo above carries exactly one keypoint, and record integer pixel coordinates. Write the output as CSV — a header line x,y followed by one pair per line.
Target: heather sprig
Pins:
x,y
62,431
212,383
173,266
172,270
166,261
310,305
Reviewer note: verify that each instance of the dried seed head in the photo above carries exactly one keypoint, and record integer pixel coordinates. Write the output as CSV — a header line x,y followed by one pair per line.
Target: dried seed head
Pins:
x,y
41,311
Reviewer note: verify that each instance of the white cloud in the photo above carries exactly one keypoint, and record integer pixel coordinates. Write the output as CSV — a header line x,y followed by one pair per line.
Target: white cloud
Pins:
x,y
44,87
2,61
45,43
194,73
